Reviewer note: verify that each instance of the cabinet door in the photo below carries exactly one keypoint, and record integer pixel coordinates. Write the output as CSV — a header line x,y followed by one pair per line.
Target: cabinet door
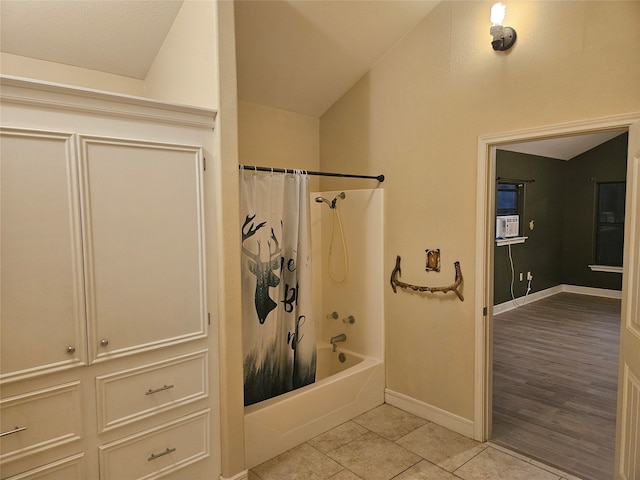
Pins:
x,y
144,257
42,298
70,468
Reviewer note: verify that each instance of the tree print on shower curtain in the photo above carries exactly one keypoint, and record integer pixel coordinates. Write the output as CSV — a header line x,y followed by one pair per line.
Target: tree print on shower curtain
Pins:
x,y
278,330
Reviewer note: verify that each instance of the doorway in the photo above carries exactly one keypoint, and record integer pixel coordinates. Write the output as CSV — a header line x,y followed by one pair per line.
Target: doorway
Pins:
x,y
556,345
485,250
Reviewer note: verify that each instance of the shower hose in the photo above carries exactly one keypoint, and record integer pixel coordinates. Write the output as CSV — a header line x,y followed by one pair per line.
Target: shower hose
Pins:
x,y
337,219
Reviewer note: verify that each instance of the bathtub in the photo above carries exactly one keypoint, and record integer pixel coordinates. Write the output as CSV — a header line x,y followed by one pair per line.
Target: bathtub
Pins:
x,y
342,391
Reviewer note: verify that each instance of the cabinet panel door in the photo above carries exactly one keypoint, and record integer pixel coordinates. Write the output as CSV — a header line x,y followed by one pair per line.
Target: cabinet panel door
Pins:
x,y
126,396
159,451
70,468
42,297
144,256
40,421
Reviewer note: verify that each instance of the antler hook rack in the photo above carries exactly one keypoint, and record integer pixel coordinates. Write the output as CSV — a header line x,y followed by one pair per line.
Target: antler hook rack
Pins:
x,y
451,288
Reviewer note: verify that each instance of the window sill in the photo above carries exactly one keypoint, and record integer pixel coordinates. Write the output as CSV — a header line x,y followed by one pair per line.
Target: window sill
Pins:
x,y
510,241
605,268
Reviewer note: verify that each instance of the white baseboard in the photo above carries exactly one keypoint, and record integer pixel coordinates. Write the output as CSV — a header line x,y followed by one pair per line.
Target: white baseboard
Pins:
x,y
244,475
534,297
594,292
434,414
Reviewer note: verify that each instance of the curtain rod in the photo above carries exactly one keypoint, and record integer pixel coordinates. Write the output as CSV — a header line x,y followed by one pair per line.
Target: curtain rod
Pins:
x,y
380,178
514,180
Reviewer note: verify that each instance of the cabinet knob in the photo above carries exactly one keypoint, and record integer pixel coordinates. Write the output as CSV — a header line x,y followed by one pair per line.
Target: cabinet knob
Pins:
x,y
71,349
104,342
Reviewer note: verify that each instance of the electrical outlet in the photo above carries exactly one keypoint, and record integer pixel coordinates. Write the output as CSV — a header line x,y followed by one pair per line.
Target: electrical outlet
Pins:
x,y
529,276
521,276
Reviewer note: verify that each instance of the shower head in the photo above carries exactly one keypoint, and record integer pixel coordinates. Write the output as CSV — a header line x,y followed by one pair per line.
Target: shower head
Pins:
x,y
322,199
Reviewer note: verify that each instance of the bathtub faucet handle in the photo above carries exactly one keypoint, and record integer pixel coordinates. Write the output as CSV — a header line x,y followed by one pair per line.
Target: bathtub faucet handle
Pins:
x,y
350,319
333,315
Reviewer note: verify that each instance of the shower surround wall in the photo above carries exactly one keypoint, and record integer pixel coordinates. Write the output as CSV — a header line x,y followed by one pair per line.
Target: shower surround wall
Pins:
x,y
278,424
361,295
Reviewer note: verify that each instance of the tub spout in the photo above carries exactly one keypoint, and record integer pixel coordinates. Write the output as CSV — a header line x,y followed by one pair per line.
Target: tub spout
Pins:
x,y
338,338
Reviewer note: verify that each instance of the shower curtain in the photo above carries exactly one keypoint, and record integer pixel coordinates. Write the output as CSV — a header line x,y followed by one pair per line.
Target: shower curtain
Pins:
x,y
278,328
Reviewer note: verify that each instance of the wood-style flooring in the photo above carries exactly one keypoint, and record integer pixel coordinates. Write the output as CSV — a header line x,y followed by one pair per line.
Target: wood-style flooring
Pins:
x,y
555,369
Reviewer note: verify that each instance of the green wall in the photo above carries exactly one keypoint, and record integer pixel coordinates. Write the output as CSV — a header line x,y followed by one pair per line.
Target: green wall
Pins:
x,y
605,163
541,254
561,202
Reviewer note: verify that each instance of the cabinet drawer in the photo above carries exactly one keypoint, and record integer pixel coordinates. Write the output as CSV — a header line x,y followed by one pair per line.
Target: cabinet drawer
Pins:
x,y
158,451
70,468
38,421
126,396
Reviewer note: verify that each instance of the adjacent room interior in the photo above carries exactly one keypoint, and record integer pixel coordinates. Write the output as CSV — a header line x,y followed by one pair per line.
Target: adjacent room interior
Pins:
x,y
557,290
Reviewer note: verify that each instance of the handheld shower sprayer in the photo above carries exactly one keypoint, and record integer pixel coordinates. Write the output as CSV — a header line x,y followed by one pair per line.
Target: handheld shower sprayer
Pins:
x,y
332,203
322,199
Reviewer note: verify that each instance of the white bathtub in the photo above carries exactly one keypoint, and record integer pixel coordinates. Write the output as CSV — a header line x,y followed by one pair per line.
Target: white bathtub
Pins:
x,y
343,390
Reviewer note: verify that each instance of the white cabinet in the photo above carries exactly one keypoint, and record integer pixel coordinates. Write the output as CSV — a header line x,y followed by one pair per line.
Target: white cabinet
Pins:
x,y
137,245
42,290
69,468
143,239
107,367
41,420
127,396
163,449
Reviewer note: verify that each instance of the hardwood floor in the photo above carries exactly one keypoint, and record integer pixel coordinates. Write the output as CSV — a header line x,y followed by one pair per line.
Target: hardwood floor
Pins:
x,y
555,369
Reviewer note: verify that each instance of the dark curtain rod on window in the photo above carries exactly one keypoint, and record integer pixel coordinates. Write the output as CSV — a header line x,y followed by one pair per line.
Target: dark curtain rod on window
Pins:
x,y
513,180
380,178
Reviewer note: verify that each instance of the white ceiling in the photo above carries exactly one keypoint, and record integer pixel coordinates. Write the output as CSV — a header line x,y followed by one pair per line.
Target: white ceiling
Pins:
x,y
563,148
294,55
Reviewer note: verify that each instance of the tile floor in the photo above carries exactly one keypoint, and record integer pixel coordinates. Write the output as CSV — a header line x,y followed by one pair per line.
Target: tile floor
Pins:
x,y
388,443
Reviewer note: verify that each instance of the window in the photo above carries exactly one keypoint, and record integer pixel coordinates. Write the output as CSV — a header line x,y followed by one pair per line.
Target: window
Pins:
x,y
609,223
509,198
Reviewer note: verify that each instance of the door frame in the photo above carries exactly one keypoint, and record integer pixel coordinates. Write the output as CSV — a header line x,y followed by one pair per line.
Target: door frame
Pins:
x,y
485,206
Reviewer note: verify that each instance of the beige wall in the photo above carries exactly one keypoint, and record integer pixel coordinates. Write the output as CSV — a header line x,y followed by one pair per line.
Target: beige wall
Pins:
x,y
186,67
18,66
271,137
231,371
416,118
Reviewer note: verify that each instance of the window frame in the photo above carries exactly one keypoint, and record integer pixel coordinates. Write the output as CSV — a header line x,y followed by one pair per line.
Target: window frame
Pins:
x,y
520,195
598,224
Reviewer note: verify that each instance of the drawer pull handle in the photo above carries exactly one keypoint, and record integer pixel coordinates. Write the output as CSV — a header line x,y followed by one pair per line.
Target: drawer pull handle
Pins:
x,y
15,430
166,387
161,454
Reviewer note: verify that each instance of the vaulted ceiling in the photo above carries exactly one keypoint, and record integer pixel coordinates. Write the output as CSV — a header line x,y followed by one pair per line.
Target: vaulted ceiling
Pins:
x,y
294,55
302,56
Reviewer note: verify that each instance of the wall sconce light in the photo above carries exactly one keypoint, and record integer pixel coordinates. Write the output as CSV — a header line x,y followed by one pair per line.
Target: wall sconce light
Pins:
x,y
503,37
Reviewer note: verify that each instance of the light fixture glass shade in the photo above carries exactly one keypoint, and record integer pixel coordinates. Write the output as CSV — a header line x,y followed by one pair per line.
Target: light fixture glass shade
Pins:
x,y
497,13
